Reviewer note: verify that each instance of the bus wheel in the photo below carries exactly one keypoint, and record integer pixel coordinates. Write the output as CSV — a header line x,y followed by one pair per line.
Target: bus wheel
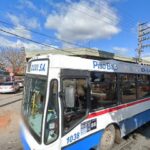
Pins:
x,y
108,138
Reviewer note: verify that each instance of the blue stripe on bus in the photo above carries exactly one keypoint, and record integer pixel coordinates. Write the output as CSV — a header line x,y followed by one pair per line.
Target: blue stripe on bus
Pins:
x,y
136,121
23,141
94,139
87,143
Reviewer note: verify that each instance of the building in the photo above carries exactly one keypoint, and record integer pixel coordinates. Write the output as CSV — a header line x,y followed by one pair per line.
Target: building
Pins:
x,y
146,58
85,53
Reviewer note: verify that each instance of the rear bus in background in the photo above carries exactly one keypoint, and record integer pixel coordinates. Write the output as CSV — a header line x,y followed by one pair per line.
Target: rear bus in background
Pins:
x,y
72,103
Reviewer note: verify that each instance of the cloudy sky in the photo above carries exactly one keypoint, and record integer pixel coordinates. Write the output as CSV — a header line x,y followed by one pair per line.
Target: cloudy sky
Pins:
x,y
109,25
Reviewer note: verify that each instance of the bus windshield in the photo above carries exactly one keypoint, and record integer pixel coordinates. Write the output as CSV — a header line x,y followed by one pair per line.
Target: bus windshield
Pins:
x,y
34,102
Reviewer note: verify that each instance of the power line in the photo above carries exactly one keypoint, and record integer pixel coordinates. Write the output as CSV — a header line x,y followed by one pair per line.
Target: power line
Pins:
x,y
43,44
96,18
144,29
129,16
42,34
59,39
92,16
46,45
81,11
26,38
144,23
146,45
143,39
104,7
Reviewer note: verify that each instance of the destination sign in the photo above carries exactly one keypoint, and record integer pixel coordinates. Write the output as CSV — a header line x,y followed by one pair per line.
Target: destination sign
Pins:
x,y
39,67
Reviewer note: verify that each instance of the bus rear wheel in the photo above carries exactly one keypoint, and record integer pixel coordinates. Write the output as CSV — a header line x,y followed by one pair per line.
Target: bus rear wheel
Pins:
x,y
108,138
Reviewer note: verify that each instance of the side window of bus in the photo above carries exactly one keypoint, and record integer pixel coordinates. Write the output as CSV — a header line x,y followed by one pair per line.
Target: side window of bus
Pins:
x,y
51,124
128,87
143,86
75,101
103,90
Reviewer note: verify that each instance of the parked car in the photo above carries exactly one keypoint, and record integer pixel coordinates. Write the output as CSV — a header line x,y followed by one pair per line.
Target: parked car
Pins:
x,y
21,83
9,87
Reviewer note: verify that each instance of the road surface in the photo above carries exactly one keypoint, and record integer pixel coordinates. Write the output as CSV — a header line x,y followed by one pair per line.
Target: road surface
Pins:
x,y
10,108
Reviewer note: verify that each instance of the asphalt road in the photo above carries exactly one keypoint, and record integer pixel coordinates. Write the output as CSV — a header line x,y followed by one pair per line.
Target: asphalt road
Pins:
x,y
10,108
7,99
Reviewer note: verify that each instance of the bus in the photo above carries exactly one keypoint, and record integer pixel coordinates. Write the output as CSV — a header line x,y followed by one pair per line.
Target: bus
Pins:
x,y
73,103
4,76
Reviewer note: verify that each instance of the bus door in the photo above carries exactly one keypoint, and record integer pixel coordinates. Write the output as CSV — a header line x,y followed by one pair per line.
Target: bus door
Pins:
x,y
74,98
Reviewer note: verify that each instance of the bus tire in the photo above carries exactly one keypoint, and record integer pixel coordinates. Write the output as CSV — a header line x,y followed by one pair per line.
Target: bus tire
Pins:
x,y
117,135
108,138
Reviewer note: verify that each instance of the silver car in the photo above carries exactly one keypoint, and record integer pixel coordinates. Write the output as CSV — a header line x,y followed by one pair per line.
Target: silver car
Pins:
x,y
9,87
21,83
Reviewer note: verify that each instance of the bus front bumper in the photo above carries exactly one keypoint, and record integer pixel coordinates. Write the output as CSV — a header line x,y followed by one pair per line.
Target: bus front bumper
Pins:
x,y
25,145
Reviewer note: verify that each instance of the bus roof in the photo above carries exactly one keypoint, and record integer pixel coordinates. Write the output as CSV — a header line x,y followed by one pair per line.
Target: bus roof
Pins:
x,y
71,62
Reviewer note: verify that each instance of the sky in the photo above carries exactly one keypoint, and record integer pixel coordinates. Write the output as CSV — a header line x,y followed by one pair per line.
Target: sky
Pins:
x,y
108,25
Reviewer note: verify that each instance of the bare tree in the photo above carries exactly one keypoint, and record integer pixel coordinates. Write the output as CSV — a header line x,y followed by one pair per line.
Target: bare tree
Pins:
x,y
13,58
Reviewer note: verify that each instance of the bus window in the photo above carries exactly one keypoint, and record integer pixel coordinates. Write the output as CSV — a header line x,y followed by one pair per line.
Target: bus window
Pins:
x,y
51,124
128,87
103,90
75,101
34,102
143,86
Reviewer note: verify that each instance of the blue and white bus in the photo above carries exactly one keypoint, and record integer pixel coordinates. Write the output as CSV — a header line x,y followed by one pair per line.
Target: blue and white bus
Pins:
x,y
4,76
72,103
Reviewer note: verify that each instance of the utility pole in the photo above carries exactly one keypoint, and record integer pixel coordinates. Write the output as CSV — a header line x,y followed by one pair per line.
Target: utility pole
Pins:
x,y
23,54
143,37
